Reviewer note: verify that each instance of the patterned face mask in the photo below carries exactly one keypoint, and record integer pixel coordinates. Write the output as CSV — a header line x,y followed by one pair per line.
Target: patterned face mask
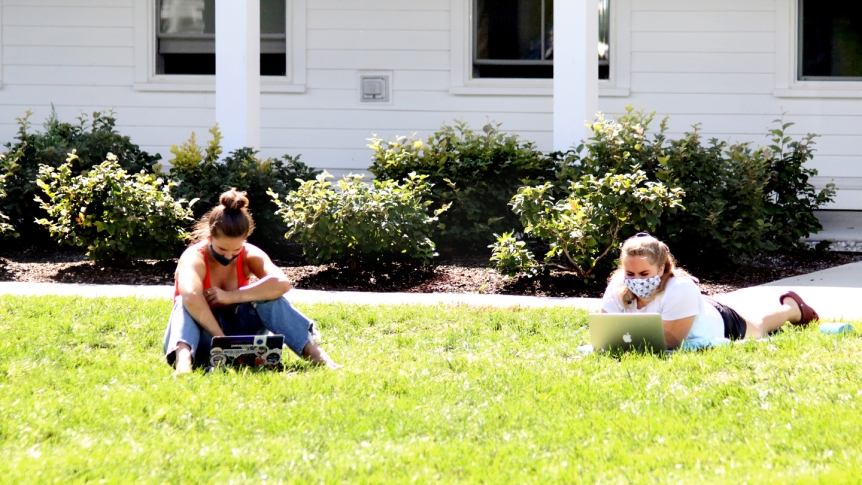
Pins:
x,y
643,287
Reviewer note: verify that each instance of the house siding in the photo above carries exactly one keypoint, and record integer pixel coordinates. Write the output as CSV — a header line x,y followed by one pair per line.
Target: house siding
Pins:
x,y
698,61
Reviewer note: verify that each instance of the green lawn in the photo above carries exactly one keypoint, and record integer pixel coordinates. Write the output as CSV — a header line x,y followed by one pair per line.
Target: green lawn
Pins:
x,y
428,394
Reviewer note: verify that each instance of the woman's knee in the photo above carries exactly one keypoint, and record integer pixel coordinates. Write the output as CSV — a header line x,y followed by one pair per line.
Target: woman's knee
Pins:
x,y
268,304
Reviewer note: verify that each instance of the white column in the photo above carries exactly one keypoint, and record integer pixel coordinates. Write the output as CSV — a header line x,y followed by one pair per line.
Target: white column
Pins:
x,y
576,70
237,97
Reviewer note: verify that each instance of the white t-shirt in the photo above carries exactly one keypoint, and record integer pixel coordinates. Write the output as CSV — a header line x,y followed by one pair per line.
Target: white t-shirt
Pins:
x,y
681,298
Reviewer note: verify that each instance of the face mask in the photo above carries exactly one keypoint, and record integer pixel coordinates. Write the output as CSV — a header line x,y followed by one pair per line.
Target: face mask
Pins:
x,y
221,259
643,287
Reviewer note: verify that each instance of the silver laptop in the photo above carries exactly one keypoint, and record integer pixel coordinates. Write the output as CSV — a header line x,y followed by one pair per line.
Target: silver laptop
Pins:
x,y
627,331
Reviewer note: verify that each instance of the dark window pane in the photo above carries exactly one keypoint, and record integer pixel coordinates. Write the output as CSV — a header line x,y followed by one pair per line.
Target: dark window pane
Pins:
x,y
529,72
270,64
509,29
549,29
273,65
521,31
604,71
831,39
188,63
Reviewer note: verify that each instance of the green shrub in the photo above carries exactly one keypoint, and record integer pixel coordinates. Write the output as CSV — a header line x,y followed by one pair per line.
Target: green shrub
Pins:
x,y
114,214
790,199
7,163
583,229
477,173
357,223
92,140
724,199
199,174
617,146
731,203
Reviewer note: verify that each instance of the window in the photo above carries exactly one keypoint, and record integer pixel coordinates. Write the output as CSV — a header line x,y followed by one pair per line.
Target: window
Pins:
x,y
515,39
830,41
186,37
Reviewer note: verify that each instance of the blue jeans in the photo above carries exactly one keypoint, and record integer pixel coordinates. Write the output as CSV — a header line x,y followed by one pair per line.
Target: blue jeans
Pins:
x,y
276,316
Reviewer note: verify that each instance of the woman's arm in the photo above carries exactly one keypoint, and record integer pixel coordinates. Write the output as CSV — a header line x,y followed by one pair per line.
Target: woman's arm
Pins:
x,y
190,273
272,283
675,331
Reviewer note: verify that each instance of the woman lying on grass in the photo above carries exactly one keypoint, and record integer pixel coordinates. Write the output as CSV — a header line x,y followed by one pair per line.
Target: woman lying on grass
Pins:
x,y
214,297
648,281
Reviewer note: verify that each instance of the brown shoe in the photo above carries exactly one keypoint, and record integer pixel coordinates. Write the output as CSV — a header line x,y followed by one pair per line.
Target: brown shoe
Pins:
x,y
808,313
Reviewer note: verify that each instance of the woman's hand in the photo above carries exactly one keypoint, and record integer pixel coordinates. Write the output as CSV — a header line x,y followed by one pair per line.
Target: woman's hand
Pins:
x,y
218,297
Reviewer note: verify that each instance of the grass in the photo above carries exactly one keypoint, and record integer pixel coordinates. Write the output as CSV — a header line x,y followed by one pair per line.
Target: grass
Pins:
x,y
429,394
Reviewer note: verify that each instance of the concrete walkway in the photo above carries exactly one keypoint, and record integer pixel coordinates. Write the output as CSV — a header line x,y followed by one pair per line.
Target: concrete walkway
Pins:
x,y
310,296
839,226
835,293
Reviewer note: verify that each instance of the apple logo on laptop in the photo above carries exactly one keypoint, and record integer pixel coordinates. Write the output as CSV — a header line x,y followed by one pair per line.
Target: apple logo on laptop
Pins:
x,y
627,338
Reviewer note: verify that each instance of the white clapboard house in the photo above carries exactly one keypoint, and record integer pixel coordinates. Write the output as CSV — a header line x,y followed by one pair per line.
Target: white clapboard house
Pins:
x,y
319,77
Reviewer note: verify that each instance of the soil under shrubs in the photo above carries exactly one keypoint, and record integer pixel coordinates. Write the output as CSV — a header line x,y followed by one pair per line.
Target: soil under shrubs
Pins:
x,y
449,274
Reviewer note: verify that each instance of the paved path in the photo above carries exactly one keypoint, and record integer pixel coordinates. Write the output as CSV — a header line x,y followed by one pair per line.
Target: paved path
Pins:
x,y
835,293
839,226
310,296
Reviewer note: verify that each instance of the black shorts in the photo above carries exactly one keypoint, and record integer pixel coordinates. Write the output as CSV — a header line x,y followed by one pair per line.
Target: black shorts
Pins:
x,y
734,324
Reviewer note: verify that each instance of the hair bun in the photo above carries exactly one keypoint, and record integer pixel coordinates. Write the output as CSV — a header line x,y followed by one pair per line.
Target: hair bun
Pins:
x,y
234,200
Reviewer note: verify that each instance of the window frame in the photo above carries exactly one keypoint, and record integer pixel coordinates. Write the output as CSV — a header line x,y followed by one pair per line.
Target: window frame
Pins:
x,y
788,61
462,39
146,45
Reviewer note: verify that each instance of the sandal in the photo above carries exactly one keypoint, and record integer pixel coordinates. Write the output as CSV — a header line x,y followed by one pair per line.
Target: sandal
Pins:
x,y
808,313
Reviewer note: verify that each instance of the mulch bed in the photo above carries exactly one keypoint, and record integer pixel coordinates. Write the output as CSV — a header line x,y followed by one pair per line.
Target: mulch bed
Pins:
x,y
468,274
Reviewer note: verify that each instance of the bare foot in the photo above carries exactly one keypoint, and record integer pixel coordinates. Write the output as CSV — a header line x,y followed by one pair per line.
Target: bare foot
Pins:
x,y
183,362
331,365
324,360
318,356
182,368
796,315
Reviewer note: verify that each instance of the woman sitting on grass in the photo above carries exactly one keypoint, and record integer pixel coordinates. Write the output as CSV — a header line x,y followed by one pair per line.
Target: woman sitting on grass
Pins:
x,y
214,297
648,281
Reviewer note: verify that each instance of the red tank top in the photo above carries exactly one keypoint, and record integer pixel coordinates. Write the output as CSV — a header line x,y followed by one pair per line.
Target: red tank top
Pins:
x,y
240,274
